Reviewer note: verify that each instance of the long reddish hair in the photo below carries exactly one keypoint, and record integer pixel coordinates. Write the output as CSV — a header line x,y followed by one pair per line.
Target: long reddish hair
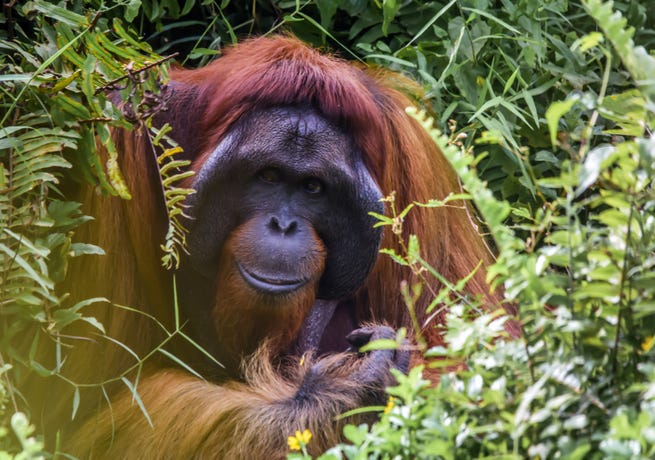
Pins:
x,y
193,417
282,71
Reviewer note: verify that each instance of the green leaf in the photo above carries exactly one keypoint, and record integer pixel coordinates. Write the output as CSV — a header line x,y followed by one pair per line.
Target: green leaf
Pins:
x,y
592,166
396,257
54,12
132,10
76,402
64,317
597,290
327,9
179,362
380,344
588,41
78,249
556,111
42,280
413,249
94,322
614,217
355,434
137,398
389,10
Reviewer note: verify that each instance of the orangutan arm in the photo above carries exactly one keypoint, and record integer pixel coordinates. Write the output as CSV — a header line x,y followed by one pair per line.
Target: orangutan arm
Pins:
x,y
192,418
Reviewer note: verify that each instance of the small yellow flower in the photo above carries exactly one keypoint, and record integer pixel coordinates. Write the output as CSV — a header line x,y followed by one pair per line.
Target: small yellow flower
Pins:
x,y
293,443
479,80
647,344
300,440
390,405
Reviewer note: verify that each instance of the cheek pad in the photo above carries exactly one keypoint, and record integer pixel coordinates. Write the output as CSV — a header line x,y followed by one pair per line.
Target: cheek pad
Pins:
x,y
210,209
352,242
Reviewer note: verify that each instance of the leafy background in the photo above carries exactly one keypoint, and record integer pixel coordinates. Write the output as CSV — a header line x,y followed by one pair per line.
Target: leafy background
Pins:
x,y
546,109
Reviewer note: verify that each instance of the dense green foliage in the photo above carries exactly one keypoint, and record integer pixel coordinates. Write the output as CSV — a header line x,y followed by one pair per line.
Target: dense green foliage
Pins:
x,y
547,111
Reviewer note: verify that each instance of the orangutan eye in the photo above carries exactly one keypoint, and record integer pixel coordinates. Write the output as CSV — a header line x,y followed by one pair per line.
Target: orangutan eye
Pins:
x,y
269,175
313,186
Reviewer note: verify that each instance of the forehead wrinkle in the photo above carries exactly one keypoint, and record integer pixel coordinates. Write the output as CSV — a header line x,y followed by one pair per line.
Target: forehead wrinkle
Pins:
x,y
309,125
296,136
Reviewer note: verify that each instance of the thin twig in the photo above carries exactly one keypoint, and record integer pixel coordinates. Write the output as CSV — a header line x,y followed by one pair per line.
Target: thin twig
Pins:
x,y
131,73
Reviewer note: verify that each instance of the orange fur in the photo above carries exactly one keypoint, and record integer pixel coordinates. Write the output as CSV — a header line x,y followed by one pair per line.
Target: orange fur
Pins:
x,y
276,320
251,417
196,419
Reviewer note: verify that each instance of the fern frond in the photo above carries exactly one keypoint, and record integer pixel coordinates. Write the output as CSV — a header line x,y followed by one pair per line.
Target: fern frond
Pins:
x,y
636,59
172,172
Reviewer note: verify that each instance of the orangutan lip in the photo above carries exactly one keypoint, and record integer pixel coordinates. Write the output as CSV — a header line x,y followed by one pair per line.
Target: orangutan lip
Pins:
x,y
270,285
